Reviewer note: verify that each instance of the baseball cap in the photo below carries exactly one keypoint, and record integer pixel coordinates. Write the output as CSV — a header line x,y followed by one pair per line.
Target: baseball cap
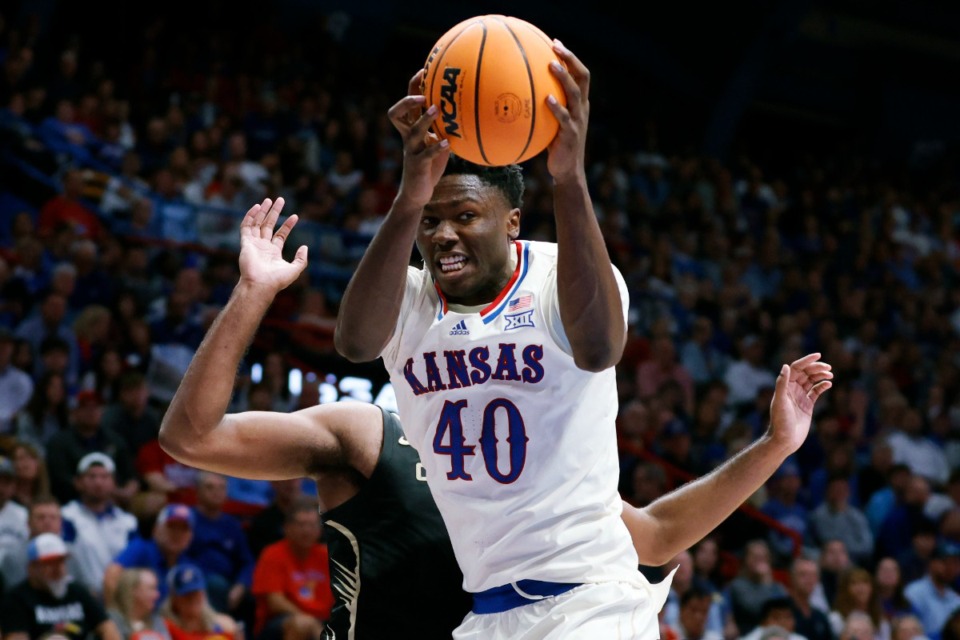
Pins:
x,y
6,466
176,513
186,578
95,458
46,546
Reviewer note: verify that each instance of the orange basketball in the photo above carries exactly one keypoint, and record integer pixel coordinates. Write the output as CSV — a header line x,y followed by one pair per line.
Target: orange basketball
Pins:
x,y
490,76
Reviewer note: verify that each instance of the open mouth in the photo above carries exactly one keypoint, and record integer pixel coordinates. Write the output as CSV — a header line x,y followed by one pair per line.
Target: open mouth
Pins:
x,y
452,264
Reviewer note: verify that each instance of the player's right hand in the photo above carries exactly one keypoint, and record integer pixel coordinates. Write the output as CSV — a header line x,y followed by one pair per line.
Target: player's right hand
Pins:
x,y
261,248
424,153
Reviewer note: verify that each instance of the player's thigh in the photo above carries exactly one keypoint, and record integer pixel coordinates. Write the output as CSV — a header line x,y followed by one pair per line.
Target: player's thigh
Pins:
x,y
615,611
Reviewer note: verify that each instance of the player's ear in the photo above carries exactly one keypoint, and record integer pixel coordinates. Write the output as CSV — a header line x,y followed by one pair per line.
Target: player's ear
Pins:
x,y
513,224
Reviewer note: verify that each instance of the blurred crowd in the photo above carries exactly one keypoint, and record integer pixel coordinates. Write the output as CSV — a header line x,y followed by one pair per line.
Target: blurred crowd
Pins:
x,y
124,181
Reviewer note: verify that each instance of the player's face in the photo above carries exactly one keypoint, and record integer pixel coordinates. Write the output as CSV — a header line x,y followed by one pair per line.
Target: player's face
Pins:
x,y
465,239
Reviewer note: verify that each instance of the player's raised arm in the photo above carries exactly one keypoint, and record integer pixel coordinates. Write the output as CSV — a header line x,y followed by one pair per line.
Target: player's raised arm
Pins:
x,y
371,303
590,304
682,517
254,444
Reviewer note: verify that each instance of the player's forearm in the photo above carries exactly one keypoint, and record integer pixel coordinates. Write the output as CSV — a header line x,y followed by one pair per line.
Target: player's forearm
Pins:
x,y
590,304
202,398
684,516
371,303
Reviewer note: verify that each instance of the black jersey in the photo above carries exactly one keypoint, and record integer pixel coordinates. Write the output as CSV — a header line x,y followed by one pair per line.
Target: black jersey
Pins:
x,y
392,568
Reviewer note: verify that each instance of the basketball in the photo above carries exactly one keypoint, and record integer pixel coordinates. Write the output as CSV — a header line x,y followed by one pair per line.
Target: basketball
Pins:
x,y
490,77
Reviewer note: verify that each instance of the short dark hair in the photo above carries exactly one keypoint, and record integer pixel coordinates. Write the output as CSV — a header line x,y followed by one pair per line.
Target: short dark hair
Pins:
x,y
303,504
507,179
697,591
775,603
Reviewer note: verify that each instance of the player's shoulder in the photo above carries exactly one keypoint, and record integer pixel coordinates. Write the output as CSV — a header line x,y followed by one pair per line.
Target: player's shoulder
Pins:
x,y
541,248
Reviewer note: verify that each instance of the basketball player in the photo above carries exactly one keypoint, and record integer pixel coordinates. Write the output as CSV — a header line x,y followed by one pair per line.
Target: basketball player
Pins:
x,y
393,570
502,355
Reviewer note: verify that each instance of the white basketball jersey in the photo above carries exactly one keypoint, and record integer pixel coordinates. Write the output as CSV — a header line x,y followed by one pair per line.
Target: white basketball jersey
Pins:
x,y
518,444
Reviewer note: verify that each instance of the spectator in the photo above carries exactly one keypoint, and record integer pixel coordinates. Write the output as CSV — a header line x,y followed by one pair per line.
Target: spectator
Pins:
x,y
186,611
775,613
220,545
14,530
68,209
47,600
85,435
909,627
266,527
932,596
918,451
44,517
706,562
131,415
951,628
292,581
783,505
810,621
754,586
134,606
885,499
102,528
172,533
51,320
714,616
917,505
693,612
856,592
47,412
30,474
890,584
166,478
914,559
662,366
836,518
747,375
16,387
834,562
700,356
858,626
54,358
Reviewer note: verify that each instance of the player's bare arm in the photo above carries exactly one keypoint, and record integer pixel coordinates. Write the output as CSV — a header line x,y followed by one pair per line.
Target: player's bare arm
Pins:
x,y
197,431
682,517
371,303
590,303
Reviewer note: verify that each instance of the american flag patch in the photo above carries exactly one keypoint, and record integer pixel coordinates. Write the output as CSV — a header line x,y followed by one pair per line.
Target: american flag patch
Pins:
x,y
523,302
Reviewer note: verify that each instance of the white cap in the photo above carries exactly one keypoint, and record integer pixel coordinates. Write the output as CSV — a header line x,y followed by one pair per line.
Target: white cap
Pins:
x,y
45,547
94,458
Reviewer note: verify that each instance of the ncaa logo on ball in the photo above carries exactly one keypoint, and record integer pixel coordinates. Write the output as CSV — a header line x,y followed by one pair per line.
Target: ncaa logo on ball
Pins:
x,y
507,107
449,98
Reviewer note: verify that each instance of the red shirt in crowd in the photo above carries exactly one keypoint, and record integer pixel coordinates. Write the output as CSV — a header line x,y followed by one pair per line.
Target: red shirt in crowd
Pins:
x,y
304,582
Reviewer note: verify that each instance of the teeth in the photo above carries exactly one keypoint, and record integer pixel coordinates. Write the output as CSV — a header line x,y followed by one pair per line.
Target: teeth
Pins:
x,y
454,263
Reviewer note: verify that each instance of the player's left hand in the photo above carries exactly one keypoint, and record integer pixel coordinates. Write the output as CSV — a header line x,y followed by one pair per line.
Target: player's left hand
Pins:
x,y
261,248
567,153
798,387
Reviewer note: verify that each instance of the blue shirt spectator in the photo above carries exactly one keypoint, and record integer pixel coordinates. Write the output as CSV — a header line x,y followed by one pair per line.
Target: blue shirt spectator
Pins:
x,y
220,545
932,595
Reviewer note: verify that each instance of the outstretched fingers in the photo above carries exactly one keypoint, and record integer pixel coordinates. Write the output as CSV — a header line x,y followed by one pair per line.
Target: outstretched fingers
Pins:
x,y
270,219
284,231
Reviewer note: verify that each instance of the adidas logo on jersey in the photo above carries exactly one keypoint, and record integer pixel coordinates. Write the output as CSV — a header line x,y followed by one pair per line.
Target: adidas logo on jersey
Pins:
x,y
460,329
